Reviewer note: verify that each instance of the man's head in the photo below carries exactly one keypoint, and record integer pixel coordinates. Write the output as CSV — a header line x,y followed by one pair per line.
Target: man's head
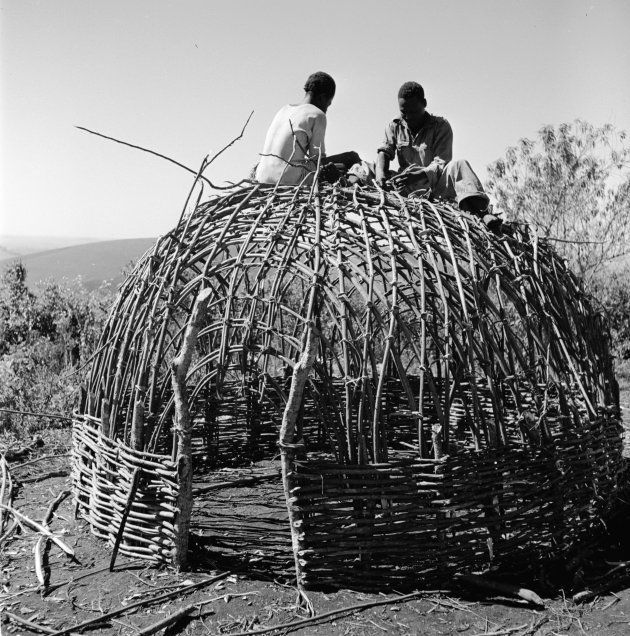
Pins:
x,y
321,89
411,103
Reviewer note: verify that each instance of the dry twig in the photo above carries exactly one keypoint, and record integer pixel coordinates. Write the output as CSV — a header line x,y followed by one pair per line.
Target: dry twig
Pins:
x,y
53,416
39,459
45,476
184,611
132,606
175,162
26,623
334,613
33,525
41,557
503,632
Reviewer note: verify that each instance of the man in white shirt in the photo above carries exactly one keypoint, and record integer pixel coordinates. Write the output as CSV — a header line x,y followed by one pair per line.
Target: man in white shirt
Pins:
x,y
295,139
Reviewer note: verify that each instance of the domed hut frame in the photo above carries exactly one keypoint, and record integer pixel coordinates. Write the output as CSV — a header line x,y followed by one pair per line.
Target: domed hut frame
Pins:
x,y
442,397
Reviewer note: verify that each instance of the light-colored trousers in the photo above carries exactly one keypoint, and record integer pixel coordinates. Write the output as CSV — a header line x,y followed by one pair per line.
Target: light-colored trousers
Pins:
x,y
455,180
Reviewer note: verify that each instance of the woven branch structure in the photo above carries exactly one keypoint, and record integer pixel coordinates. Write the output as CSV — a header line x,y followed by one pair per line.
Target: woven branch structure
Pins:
x,y
441,397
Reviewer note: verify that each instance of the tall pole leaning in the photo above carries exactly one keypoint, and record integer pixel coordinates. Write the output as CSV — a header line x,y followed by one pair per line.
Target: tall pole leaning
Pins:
x,y
301,371
183,428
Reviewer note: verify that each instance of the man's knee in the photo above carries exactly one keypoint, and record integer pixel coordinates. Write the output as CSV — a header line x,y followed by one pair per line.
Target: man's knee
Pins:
x,y
458,166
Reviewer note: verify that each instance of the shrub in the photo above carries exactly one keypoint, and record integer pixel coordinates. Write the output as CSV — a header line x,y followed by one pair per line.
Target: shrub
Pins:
x,y
47,334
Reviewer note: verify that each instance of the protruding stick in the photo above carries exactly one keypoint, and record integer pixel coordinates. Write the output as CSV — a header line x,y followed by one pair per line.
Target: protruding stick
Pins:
x,y
133,487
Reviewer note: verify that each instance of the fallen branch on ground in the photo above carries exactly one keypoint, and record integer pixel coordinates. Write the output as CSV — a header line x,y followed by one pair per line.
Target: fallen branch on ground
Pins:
x,y
343,610
41,557
9,532
535,625
33,525
45,476
71,581
53,416
123,610
39,459
184,611
504,632
26,623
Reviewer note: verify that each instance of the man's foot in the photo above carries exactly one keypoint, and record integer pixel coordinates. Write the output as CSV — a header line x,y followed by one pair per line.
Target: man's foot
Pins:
x,y
480,206
476,205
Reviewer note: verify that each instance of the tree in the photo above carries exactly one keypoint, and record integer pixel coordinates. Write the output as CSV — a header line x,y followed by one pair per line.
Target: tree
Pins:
x,y
16,307
573,185
47,334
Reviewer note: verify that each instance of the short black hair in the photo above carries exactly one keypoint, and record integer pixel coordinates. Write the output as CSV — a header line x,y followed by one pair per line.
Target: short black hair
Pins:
x,y
410,89
320,83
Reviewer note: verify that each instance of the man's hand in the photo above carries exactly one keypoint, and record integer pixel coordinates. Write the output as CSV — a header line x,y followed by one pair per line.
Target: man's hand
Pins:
x,y
410,178
381,181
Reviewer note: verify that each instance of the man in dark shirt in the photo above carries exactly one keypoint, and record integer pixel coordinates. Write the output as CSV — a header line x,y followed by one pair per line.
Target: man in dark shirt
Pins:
x,y
423,145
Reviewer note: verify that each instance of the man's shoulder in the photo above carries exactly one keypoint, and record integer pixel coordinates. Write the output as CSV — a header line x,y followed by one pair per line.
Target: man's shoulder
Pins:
x,y
438,121
432,120
301,110
307,110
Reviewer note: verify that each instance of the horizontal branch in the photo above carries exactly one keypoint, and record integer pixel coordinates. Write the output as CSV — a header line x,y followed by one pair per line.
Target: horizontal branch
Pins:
x,y
53,416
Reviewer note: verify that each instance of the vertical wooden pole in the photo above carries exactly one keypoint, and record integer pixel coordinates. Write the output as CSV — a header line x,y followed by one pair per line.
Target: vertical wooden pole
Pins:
x,y
105,417
183,428
287,447
294,402
82,399
137,426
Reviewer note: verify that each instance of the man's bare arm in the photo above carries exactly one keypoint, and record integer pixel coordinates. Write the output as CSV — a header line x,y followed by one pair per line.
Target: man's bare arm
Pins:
x,y
382,166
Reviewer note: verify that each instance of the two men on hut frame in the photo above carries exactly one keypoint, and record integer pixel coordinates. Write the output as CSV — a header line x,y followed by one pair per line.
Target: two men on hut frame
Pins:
x,y
421,142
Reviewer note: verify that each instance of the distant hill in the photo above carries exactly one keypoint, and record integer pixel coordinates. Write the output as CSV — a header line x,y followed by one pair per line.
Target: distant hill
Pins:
x,y
94,262
12,245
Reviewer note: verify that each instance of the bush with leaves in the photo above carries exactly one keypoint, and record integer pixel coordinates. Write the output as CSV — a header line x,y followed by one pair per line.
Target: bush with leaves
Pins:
x,y
46,334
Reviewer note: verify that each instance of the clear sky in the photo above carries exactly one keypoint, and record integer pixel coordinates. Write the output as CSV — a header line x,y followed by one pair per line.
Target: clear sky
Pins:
x,y
181,78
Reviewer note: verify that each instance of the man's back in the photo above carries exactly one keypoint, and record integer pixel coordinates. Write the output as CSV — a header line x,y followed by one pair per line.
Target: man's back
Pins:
x,y
296,137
